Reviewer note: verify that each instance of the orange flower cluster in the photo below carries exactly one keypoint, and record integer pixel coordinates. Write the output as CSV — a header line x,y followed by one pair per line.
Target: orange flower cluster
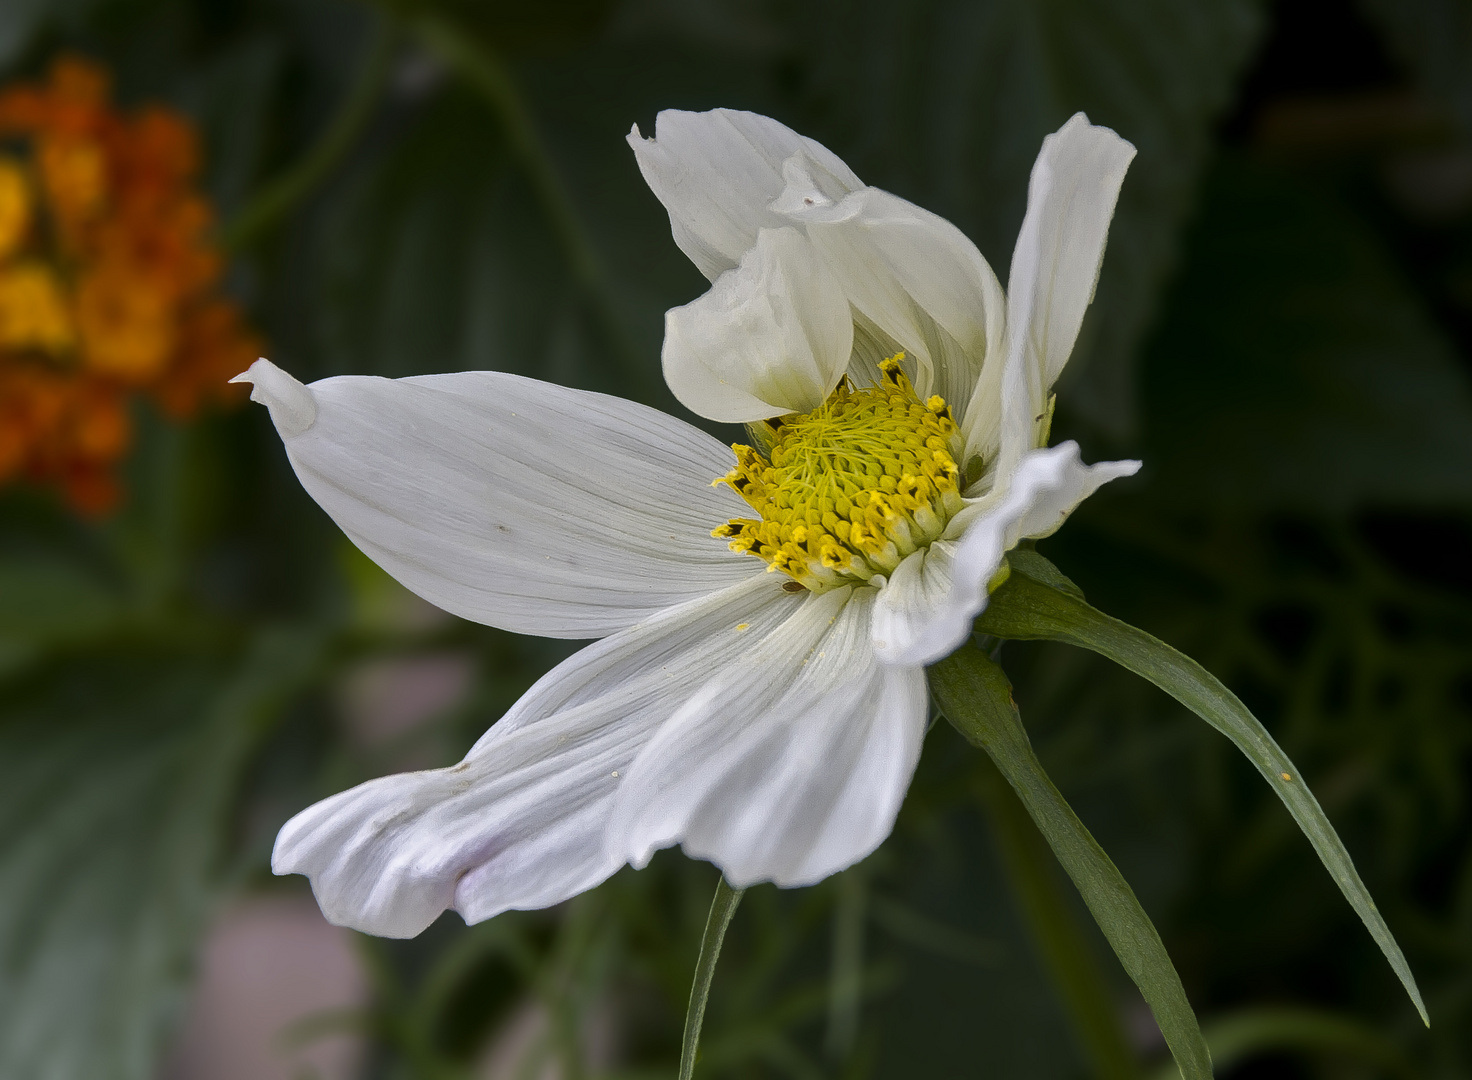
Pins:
x,y
108,281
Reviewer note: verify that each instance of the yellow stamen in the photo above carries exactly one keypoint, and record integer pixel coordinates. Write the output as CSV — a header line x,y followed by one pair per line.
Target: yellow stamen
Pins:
x,y
852,487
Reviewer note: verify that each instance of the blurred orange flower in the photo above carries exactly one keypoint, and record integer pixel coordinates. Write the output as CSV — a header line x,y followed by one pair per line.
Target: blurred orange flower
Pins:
x,y
108,281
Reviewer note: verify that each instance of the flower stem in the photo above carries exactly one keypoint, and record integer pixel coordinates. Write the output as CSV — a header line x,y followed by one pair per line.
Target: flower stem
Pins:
x,y
846,979
1039,603
975,696
282,193
1066,953
722,908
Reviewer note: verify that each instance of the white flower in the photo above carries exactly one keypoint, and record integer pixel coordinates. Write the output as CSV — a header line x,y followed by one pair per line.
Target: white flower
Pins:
x,y
762,703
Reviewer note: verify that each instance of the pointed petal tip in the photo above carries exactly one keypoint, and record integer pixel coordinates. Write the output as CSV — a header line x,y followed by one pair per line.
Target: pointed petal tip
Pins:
x,y
1080,124
291,404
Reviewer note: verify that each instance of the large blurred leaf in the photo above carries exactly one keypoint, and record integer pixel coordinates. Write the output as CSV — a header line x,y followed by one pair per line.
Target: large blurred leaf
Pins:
x,y
442,257
435,260
48,602
507,226
116,774
947,102
1296,368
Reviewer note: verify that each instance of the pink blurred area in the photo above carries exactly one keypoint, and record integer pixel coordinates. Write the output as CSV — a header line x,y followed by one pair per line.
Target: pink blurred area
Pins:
x,y
271,964
274,974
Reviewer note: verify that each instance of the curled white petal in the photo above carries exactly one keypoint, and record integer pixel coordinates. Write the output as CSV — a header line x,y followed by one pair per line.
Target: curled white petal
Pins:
x,y
915,276
517,503
771,336
290,403
1060,248
787,767
717,173
520,822
916,620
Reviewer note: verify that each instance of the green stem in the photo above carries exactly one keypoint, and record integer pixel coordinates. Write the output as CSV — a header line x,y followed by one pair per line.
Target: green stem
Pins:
x,y
282,193
722,908
846,977
1038,602
976,698
1066,953
484,72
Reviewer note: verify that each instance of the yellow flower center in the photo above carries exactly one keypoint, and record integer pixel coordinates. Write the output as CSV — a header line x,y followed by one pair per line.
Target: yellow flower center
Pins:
x,y
848,490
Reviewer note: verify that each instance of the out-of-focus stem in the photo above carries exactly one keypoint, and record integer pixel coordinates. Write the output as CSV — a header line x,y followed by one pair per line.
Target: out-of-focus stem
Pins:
x,y
281,194
481,69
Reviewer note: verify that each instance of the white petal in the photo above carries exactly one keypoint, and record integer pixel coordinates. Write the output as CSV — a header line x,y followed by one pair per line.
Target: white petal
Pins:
x,y
906,605
717,172
514,502
920,624
788,767
871,347
290,404
1055,266
918,278
520,822
772,336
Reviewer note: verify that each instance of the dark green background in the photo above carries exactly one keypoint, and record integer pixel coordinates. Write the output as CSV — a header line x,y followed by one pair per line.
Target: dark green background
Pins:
x,y
1282,333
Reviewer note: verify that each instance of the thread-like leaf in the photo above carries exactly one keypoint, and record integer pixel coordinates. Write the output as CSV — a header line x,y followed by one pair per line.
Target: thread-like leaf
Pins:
x,y
1042,902
1037,602
975,696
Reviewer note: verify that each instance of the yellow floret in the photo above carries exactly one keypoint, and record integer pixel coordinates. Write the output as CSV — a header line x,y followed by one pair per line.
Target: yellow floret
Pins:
x,y
851,488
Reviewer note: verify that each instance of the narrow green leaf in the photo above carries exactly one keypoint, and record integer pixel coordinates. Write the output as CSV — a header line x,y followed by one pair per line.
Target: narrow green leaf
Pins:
x,y
722,908
975,696
1067,954
1026,607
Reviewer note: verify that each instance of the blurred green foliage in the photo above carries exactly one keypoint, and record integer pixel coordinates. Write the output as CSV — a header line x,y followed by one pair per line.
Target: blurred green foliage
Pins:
x,y
1283,333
